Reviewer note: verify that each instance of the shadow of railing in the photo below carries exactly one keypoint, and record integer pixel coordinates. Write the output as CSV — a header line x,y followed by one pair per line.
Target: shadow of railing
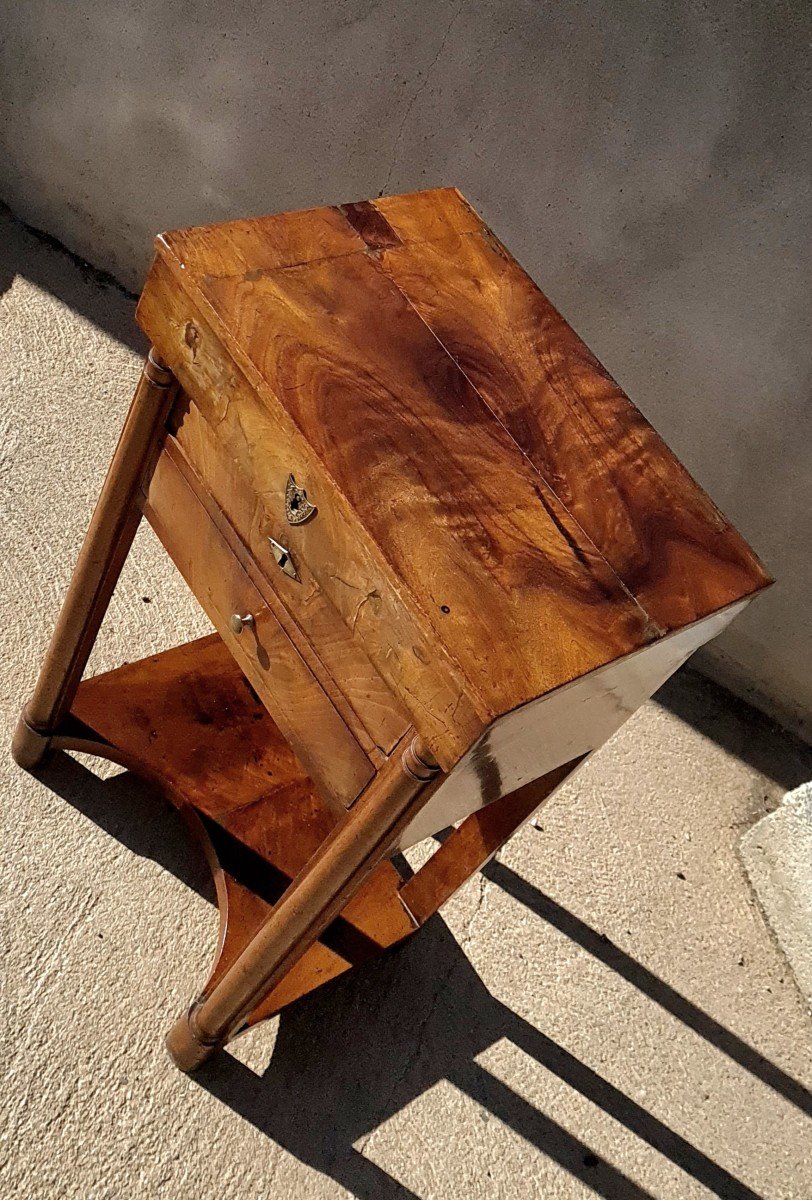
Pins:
x,y
656,989
351,1056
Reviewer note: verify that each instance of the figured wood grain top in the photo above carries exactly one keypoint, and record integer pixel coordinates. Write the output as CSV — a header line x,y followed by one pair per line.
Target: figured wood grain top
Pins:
x,y
529,519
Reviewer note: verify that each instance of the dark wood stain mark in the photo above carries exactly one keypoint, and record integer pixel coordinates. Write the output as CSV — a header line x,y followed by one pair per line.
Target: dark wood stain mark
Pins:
x,y
488,775
562,529
370,225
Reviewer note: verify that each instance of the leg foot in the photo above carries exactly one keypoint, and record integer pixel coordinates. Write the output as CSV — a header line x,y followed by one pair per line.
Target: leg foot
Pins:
x,y
28,747
186,1049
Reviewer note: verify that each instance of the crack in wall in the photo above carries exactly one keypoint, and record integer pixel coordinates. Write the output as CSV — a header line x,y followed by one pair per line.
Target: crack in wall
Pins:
x,y
407,111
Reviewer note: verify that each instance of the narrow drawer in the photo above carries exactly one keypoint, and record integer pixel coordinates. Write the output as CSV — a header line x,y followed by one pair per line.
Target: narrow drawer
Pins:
x,y
271,663
339,655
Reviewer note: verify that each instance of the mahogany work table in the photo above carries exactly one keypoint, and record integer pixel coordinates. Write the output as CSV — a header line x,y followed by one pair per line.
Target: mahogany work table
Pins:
x,y
445,558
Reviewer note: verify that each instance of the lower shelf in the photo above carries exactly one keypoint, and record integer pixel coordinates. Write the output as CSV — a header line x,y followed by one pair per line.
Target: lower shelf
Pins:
x,y
188,721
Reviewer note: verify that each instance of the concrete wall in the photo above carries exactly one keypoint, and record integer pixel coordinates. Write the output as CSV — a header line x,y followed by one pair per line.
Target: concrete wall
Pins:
x,y
644,161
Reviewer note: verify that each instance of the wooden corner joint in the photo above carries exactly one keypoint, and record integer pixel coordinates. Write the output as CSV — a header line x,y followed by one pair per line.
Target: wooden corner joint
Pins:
x,y
157,371
418,762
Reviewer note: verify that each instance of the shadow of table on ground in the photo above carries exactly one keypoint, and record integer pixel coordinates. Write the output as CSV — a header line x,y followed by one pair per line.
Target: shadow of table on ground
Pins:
x,y
349,1057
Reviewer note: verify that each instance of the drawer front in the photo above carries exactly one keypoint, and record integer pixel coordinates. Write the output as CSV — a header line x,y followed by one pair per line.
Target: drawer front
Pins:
x,y
271,663
340,657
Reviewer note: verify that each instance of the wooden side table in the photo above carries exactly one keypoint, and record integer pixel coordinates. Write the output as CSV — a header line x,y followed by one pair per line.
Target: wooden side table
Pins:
x,y
444,554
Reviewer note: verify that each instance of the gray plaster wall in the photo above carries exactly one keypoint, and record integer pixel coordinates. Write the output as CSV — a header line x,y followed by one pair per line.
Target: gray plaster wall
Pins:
x,y
646,162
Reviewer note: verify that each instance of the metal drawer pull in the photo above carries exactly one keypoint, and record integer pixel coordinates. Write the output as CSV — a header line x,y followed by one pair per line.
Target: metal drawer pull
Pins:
x,y
237,623
283,559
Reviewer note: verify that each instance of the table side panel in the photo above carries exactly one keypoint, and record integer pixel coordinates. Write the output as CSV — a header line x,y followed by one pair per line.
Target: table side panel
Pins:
x,y
347,565
576,719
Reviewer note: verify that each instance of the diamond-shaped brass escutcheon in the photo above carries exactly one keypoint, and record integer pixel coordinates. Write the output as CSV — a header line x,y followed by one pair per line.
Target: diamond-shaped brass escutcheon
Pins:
x,y
283,559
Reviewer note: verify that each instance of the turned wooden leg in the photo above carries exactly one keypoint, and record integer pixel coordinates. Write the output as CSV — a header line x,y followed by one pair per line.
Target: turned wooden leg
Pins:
x,y
315,897
104,550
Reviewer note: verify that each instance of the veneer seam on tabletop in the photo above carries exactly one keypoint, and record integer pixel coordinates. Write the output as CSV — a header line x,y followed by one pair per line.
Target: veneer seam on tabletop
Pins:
x,y
651,623
254,273
363,247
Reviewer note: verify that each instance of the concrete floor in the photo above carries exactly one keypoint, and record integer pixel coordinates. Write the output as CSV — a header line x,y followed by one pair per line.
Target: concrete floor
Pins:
x,y
604,1012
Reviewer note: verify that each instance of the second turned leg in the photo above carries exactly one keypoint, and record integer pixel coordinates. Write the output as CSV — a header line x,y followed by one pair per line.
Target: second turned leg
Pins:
x,y
314,898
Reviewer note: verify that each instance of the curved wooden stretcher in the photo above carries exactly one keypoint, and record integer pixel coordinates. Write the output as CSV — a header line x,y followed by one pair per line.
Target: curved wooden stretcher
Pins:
x,y
188,722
